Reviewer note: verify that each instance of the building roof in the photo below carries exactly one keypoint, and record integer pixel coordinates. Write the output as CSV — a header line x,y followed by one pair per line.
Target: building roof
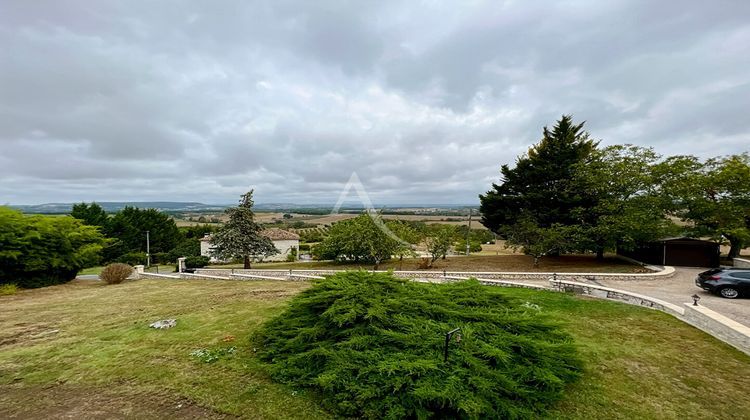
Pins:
x,y
274,234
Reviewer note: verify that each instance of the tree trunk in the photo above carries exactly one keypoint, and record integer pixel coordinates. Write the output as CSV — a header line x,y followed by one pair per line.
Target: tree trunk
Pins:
x,y
536,261
599,253
401,263
247,262
735,246
377,264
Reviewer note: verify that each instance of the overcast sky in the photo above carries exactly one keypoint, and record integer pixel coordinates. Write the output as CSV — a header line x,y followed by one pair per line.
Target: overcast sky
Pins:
x,y
202,100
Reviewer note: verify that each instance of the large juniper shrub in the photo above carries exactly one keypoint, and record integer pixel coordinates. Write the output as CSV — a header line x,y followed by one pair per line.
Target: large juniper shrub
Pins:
x,y
372,346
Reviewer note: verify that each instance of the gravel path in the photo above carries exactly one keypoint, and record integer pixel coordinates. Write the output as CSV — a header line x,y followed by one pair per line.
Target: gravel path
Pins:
x,y
678,290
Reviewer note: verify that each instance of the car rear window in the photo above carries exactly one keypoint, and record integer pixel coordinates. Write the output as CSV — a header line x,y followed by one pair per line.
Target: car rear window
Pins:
x,y
741,274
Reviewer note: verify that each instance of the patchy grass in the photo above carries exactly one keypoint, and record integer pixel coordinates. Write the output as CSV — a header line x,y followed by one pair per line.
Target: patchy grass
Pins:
x,y
84,349
564,263
156,268
8,289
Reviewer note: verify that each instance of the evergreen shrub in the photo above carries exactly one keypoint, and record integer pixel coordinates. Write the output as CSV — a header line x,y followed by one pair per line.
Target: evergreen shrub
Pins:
x,y
372,346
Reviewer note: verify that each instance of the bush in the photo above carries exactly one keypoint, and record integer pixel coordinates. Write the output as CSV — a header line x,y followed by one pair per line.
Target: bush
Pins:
x,y
372,346
38,251
196,262
115,273
8,289
132,258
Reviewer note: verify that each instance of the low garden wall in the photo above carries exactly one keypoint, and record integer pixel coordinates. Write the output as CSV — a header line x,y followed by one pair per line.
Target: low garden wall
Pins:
x,y
741,263
492,275
713,323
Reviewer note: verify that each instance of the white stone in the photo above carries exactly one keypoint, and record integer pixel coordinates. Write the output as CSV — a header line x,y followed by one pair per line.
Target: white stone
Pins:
x,y
164,324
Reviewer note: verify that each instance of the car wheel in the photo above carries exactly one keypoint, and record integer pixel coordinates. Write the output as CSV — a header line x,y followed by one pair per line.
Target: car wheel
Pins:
x,y
729,293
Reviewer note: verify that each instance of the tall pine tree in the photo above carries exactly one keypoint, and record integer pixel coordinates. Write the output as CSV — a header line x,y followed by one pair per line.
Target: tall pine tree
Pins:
x,y
541,185
240,237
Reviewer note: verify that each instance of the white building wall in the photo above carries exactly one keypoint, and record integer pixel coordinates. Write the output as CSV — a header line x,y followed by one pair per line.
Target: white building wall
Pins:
x,y
284,248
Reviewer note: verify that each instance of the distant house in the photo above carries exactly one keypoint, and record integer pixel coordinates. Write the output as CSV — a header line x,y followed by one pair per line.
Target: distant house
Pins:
x,y
283,240
680,251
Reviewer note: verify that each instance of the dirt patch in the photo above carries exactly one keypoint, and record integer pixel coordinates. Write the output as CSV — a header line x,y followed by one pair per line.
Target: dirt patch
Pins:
x,y
74,402
24,332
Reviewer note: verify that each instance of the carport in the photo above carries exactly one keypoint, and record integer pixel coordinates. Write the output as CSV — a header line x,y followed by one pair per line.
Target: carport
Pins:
x,y
680,251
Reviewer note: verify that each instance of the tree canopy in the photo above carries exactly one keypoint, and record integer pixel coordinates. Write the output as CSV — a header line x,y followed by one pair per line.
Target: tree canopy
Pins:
x,y
240,236
37,251
541,183
714,195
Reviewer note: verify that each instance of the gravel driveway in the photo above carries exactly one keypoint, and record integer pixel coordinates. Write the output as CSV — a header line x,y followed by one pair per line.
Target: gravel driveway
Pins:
x,y
678,290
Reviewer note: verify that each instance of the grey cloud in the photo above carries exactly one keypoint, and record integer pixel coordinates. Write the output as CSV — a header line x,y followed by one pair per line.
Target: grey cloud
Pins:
x,y
197,100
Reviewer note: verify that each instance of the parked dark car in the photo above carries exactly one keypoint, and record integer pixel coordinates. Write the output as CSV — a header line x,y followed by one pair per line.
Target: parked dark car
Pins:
x,y
729,283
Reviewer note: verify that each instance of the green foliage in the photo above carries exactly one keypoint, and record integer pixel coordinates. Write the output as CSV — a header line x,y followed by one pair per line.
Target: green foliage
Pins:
x,y
132,258
304,247
90,214
8,289
538,241
627,208
115,273
372,346
188,247
365,238
292,255
37,251
439,240
240,237
541,182
199,261
460,246
213,355
714,195
128,229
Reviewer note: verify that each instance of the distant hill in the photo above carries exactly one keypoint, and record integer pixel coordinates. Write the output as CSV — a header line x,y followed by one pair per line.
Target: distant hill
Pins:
x,y
113,206
180,206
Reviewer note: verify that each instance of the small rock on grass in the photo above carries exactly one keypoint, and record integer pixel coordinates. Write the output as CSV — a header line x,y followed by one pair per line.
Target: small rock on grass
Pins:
x,y
164,324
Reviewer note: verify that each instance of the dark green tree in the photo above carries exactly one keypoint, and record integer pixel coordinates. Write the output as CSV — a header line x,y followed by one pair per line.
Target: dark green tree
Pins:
x,y
38,251
541,184
240,237
90,214
127,230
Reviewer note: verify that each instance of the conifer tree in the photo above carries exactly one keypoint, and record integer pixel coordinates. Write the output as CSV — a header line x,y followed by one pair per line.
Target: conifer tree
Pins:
x,y
240,237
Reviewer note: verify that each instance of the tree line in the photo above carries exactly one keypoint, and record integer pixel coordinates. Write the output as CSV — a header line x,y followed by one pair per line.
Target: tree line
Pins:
x,y
125,233
569,194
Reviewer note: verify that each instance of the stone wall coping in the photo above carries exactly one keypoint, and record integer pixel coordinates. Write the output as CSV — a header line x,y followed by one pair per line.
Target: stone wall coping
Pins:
x,y
502,282
742,329
743,263
671,306
255,276
666,272
203,276
157,275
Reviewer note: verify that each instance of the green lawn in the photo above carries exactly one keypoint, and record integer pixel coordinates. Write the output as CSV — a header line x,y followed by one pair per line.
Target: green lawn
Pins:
x,y
85,348
563,263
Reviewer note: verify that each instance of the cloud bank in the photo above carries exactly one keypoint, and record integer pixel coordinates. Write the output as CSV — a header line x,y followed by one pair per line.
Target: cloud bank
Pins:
x,y
201,101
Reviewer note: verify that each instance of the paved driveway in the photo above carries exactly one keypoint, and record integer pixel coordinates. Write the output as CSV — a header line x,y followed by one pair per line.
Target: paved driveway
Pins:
x,y
678,290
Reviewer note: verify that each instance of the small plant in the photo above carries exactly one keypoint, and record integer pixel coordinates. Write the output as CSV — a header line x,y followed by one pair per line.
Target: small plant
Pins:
x,y
115,273
199,261
8,289
212,355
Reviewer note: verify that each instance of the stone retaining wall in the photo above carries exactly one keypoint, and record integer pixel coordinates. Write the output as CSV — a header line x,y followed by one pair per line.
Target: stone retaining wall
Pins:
x,y
741,263
494,275
715,324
